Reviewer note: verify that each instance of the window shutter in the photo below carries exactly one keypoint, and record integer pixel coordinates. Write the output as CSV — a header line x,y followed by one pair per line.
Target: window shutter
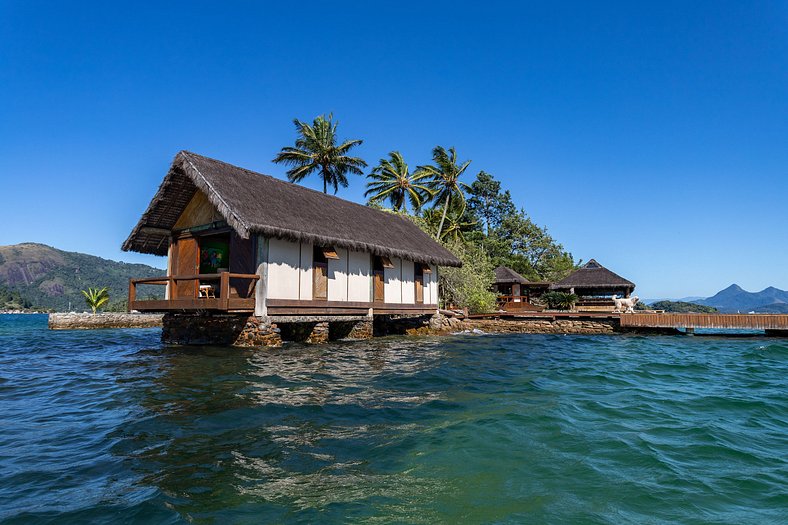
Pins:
x,y
330,253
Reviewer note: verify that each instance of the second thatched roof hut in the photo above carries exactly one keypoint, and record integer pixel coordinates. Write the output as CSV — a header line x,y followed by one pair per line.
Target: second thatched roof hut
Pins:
x,y
593,280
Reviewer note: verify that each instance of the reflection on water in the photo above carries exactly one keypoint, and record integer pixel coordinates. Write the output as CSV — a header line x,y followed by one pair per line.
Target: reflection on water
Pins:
x,y
110,426
301,427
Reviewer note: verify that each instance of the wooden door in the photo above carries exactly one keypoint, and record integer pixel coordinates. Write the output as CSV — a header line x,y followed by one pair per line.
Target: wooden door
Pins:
x,y
419,288
320,281
378,286
186,263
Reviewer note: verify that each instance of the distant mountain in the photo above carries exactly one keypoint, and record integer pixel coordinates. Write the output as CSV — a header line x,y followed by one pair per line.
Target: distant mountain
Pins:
x,y
690,299
735,299
43,277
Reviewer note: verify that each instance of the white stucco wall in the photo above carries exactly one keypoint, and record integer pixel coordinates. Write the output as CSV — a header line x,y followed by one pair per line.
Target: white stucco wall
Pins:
x,y
392,290
431,286
283,269
349,278
359,283
337,276
408,283
305,272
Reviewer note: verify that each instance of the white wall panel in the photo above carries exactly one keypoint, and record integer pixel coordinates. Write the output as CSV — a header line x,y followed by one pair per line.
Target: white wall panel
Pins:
x,y
305,272
359,276
393,285
337,276
408,284
431,283
283,270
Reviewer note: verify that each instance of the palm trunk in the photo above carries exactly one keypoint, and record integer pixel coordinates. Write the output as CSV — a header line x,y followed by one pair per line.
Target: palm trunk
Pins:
x,y
443,217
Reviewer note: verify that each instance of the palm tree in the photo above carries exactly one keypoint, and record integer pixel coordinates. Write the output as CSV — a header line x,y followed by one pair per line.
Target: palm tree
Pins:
x,y
391,179
316,150
95,298
455,225
443,178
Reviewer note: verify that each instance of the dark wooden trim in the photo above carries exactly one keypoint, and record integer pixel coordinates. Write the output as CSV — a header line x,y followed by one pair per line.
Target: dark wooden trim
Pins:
x,y
298,307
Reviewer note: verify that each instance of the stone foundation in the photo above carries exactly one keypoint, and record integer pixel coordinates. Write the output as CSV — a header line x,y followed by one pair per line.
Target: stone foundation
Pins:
x,y
243,330
439,324
544,326
82,321
249,331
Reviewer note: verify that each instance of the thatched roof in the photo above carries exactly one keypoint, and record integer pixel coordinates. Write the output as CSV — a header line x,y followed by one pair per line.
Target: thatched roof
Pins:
x,y
593,275
505,275
254,203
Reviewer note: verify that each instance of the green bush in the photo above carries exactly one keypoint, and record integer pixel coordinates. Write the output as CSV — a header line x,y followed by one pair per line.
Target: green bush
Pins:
x,y
470,286
560,300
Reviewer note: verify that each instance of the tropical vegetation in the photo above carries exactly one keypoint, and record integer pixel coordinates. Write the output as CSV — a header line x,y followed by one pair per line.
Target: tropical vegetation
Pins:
x,y
316,151
13,300
477,220
96,298
469,286
392,180
443,180
560,300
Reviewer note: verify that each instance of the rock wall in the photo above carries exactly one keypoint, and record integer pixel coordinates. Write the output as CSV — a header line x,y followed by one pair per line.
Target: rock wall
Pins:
x,y
544,326
248,331
83,321
442,325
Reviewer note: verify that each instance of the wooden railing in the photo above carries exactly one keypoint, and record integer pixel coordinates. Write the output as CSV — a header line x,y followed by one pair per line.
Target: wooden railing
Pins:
x,y
503,299
511,302
226,298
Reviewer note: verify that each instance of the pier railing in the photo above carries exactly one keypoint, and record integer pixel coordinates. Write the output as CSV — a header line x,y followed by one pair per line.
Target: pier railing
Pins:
x,y
733,321
234,292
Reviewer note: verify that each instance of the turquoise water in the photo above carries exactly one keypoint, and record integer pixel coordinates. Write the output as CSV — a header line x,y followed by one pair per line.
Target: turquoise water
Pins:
x,y
112,427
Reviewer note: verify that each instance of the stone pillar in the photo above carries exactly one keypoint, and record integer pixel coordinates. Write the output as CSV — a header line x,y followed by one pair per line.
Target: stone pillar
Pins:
x,y
362,330
319,333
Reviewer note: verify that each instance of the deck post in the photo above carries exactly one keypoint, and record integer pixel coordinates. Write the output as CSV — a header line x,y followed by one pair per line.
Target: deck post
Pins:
x,y
224,286
132,294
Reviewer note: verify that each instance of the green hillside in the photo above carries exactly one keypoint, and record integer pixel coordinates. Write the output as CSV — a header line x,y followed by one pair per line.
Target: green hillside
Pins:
x,y
682,307
42,277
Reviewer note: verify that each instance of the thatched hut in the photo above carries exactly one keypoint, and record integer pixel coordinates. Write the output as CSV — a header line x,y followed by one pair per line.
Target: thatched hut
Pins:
x,y
240,241
515,291
594,284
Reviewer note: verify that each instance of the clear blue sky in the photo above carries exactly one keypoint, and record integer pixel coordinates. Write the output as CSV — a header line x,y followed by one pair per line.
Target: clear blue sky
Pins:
x,y
652,137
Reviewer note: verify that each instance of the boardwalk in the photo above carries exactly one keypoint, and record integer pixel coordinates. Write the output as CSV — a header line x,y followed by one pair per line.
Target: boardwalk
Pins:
x,y
776,324
734,321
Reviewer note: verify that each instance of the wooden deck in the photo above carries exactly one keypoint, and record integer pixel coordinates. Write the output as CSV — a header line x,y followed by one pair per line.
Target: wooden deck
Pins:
x,y
234,293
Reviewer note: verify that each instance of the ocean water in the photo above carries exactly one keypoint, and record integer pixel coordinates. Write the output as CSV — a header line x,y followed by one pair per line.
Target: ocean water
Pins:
x,y
114,427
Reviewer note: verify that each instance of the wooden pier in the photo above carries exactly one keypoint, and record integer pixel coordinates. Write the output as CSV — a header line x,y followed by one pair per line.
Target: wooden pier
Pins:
x,y
726,321
772,324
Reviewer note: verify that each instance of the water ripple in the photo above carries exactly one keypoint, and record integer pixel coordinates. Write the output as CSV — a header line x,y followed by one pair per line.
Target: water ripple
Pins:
x,y
111,426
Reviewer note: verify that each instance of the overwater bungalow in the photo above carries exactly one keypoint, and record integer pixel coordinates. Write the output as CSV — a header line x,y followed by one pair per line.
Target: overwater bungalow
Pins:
x,y
594,285
515,292
241,242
